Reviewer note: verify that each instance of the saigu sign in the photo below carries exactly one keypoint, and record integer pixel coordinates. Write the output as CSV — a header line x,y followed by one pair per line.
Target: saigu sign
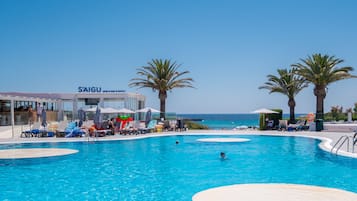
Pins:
x,y
97,90
89,89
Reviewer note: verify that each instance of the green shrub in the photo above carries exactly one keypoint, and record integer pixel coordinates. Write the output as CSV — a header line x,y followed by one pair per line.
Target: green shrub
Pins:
x,y
195,125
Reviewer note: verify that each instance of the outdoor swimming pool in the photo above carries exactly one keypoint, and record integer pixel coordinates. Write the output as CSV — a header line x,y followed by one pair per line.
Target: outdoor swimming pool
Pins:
x,y
159,169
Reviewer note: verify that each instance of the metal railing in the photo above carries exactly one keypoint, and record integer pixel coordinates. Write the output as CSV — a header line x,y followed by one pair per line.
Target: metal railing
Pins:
x,y
354,141
341,141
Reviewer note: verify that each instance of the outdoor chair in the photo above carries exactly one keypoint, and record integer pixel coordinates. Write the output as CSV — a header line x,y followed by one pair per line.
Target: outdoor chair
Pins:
x,y
35,131
103,130
61,129
150,128
129,129
298,126
283,124
270,124
140,127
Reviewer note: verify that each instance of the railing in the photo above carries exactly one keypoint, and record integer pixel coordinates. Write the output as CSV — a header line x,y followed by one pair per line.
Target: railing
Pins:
x,y
341,141
354,141
92,139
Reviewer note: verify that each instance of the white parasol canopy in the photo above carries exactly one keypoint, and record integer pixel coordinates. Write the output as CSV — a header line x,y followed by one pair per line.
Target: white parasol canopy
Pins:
x,y
264,111
147,109
126,111
106,110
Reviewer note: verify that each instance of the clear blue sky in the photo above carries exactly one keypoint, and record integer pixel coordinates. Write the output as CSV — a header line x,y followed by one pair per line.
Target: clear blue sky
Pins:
x,y
229,47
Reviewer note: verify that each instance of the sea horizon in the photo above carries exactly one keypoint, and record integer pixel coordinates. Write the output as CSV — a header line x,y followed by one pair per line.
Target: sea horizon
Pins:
x,y
228,121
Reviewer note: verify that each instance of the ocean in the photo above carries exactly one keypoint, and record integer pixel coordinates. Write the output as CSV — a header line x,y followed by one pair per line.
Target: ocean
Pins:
x,y
226,121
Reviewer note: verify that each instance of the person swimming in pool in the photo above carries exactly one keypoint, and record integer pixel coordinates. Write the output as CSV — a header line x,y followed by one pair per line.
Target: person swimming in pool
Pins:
x,y
223,155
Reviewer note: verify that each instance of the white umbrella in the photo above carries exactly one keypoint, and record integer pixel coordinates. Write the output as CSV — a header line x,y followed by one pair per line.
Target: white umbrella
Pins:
x,y
126,111
264,111
106,110
147,109
97,117
93,109
109,110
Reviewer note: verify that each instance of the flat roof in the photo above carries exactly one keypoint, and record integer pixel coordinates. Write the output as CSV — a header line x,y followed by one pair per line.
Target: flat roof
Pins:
x,y
25,96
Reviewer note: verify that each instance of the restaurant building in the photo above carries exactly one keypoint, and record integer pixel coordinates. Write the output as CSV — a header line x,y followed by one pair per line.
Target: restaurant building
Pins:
x,y
14,106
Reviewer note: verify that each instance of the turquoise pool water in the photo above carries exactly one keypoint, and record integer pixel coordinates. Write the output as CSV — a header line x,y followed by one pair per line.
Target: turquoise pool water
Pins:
x,y
158,169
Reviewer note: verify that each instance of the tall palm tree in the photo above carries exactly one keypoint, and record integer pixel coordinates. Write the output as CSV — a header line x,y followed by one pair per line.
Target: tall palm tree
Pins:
x,y
286,83
322,70
162,76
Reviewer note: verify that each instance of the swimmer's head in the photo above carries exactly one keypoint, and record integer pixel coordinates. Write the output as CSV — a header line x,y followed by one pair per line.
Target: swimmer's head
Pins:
x,y
223,155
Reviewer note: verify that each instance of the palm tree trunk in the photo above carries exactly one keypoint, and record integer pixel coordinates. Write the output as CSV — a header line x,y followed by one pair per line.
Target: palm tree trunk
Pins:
x,y
162,97
162,108
319,107
320,94
292,104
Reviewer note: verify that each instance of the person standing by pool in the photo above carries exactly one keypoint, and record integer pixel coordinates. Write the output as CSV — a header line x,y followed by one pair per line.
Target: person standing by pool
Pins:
x,y
43,117
31,115
39,112
111,125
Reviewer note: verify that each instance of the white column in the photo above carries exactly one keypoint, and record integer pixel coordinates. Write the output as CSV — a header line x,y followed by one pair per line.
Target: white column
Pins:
x,y
60,110
101,102
75,108
12,116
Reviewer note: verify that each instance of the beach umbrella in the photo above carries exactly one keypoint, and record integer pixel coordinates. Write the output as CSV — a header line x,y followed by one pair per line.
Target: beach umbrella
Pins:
x,y
43,117
81,117
148,117
109,110
104,110
263,111
146,109
125,111
97,118
93,109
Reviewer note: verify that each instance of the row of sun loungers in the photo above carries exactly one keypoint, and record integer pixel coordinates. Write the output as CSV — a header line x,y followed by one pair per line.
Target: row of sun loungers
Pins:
x,y
283,125
71,129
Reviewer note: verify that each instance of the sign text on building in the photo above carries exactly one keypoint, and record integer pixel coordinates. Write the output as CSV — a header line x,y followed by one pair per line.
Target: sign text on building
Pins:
x,y
97,90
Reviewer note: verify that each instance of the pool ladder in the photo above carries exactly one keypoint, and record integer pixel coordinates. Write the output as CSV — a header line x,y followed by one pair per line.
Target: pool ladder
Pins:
x,y
92,139
342,140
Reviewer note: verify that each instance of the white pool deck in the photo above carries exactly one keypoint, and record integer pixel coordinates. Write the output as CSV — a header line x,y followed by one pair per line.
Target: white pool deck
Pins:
x,y
247,192
34,153
274,192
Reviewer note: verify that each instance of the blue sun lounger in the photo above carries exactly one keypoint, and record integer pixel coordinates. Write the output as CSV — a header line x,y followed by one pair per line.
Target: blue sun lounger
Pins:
x,y
35,131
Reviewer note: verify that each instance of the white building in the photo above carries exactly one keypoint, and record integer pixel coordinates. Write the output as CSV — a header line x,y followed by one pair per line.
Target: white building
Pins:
x,y
14,105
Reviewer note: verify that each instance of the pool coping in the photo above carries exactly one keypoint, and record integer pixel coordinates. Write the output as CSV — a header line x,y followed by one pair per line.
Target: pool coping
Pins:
x,y
325,137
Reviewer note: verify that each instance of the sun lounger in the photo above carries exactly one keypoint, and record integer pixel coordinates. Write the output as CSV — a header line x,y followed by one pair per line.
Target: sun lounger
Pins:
x,y
130,129
300,125
35,131
61,129
104,130
150,128
283,124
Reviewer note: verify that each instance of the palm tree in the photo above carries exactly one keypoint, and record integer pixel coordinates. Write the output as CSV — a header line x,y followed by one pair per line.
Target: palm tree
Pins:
x,y
286,83
162,76
322,70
